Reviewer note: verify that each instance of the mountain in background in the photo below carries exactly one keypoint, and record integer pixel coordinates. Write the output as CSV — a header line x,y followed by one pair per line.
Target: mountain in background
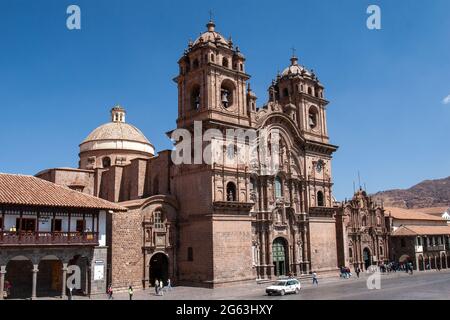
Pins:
x,y
426,194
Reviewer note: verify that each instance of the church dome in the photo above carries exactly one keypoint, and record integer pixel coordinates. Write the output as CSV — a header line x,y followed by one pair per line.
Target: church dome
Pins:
x,y
295,68
211,36
117,134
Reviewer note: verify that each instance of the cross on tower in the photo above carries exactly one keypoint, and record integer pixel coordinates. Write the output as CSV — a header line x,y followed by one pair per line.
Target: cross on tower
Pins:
x,y
294,51
210,15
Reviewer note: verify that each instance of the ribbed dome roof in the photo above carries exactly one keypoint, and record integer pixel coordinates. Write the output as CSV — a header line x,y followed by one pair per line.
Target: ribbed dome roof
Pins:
x,y
211,36
117,131
294,68
117,134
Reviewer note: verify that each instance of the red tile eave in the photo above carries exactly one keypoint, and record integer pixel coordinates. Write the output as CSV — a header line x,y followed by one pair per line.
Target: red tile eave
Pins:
x,y
31,207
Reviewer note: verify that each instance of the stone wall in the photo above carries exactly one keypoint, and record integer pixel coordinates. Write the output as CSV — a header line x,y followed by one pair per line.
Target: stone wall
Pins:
x,y
232,248
322,233
125,249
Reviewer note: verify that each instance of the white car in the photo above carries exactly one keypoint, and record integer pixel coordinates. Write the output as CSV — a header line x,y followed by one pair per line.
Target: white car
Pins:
x,y
282,287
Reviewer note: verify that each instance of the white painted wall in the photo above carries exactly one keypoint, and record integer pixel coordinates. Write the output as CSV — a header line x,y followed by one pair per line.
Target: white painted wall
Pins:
x,y
45,224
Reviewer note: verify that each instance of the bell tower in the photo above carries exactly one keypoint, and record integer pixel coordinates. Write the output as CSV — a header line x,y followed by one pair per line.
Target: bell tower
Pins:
x,y
299,88
212,81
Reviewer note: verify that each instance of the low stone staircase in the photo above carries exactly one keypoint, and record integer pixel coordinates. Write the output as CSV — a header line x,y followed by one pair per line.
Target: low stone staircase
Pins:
x,y
302,278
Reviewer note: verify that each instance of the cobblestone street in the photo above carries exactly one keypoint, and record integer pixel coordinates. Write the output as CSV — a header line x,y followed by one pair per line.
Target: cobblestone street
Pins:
x,y
394,286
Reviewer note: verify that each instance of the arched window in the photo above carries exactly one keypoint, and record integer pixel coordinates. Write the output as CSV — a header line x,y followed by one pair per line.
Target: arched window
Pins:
x,y
106,162
309,90
278,189
320,202
231,151
231,191
158,220
225,62
212,57
350,253
312,117
253,188
195,97
285,92
226,93
381,250
196,64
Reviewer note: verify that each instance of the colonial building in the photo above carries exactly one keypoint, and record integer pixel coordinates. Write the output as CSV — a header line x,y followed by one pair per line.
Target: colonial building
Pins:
x,y
219,222
420,238
363,232
44,229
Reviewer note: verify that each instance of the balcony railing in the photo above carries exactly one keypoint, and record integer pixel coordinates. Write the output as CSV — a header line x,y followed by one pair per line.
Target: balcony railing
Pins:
x,y
9,238
435,248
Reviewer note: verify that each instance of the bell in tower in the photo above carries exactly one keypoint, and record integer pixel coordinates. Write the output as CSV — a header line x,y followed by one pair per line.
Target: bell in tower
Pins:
x,y
212,81
225,98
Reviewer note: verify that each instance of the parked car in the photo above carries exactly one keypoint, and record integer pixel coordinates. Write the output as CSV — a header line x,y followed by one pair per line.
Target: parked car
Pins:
x,y
282,287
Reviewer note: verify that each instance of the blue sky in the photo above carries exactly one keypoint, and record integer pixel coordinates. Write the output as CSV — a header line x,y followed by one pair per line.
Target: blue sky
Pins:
x,y
386,87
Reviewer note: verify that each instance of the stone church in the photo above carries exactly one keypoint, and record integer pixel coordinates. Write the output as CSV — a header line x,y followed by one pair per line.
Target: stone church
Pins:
x,y
363,232
217,224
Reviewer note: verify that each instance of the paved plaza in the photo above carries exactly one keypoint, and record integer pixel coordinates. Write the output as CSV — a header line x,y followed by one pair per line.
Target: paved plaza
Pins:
x,y
394,286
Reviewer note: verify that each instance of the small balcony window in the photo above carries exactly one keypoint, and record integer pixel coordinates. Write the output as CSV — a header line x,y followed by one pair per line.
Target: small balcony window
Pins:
x,y
158,220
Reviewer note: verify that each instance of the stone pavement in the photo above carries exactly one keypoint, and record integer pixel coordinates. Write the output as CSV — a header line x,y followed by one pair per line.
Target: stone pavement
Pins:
x,y
257,291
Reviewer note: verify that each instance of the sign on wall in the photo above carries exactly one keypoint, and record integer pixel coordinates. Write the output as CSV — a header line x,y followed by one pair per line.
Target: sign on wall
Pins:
x,y
99,270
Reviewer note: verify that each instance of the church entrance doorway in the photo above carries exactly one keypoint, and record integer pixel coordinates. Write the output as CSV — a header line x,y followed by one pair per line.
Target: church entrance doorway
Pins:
x,y
159,268
367,258
280,259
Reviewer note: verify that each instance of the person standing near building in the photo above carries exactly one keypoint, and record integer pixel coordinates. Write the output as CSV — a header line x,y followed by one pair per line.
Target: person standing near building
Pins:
x,y
130,292
315,280
110,292
157,287
169,284
358,271
161,287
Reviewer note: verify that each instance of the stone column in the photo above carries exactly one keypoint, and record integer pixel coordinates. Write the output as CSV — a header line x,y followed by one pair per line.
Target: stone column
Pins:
x,y
147,270
88,279
269,260
64,280
2,280
33,288
306,258
263,252
294,254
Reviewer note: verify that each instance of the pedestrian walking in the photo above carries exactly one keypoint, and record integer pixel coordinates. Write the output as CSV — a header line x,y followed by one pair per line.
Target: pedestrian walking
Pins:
x,y
110,293
161,287
169,285
157,287
315,280
130,292
358,271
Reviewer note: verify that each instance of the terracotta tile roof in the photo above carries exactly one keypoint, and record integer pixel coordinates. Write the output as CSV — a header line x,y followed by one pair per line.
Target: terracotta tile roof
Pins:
x,y
408,230
410,214
32,191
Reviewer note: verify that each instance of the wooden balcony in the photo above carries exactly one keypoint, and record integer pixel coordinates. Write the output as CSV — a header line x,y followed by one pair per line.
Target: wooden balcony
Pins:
x,y
8,238
435,248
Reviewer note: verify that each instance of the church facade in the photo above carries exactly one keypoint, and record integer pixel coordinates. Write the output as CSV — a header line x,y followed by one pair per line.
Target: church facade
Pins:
x,y
363,232
219,222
